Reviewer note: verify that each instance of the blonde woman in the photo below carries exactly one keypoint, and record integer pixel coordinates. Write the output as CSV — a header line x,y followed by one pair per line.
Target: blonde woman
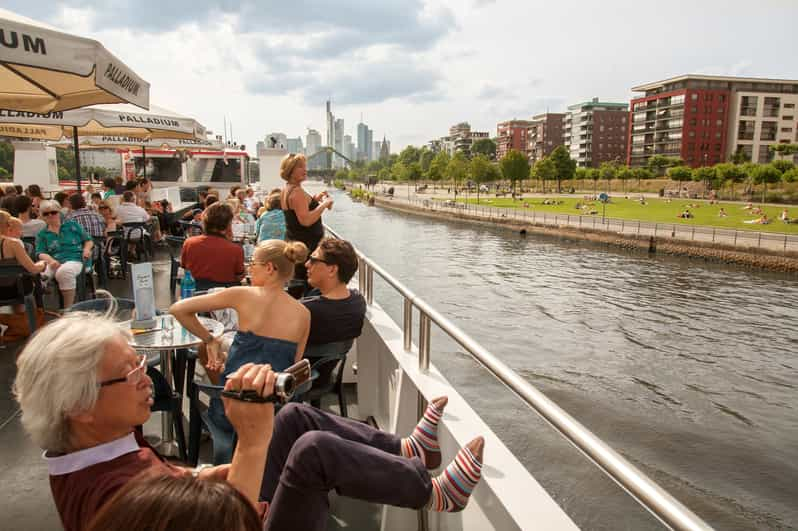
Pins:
x,y
273,327
107,213
12,250
302,211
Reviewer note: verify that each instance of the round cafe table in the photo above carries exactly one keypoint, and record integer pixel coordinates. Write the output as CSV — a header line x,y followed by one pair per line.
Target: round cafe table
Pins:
x,y
166,337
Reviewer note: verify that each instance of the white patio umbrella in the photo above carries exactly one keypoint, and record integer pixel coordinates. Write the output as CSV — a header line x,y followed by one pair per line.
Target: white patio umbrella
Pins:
x,y
121,120
43,69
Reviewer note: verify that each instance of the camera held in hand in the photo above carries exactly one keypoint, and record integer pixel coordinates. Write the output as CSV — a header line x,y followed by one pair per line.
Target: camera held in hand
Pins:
x,y
286,384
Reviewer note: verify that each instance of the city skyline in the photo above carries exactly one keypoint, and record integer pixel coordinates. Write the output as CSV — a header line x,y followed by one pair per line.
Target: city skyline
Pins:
x,y
452,61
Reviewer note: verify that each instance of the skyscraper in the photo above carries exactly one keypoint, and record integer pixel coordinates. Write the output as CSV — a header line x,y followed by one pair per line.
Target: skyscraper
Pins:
x,y
294,145
362,142
338,145
349,147
313,145
330,126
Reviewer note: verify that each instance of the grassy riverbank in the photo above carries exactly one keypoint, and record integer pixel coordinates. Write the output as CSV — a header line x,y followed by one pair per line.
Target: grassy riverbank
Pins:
x,y
655,211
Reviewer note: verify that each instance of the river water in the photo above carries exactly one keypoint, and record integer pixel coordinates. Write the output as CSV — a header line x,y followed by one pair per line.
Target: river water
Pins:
x,y
688,369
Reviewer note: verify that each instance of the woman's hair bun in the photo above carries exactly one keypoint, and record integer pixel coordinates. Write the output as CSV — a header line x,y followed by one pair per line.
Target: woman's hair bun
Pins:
x,y
296,252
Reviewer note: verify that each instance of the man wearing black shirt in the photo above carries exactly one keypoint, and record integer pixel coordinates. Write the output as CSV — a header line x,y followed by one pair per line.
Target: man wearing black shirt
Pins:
x,y
337,313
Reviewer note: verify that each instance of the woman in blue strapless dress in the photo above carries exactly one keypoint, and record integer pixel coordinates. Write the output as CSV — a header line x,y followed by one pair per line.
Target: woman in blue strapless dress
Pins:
x,y
273,326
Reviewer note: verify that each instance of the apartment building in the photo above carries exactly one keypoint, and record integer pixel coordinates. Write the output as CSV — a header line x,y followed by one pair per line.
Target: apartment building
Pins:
x,y
707,119
512,134
459,140
544,135
596,132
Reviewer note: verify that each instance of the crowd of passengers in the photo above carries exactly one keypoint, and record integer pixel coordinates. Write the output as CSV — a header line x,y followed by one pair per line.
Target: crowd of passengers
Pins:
x,y
85,393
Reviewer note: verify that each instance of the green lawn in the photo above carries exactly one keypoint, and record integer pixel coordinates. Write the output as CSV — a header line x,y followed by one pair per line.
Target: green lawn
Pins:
x,y
660,211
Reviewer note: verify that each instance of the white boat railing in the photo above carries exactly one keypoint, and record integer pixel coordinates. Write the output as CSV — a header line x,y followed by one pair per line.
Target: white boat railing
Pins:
x,y
646,492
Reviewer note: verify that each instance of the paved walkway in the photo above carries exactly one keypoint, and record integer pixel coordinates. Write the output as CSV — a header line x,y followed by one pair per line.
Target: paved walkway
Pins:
x,y
770,241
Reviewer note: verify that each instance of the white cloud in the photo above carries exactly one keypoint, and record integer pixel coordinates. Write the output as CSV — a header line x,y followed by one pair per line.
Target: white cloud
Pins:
x,y
414,67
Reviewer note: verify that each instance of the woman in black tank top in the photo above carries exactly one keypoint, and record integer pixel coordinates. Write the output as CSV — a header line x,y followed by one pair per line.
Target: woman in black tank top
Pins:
x,y
302,212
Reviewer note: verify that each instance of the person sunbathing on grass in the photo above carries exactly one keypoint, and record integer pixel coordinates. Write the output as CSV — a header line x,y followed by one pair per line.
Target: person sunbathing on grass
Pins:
x,y
722,213
763,220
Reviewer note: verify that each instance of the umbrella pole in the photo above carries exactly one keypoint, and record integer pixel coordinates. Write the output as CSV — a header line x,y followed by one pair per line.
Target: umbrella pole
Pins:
x,y
75,142
144,158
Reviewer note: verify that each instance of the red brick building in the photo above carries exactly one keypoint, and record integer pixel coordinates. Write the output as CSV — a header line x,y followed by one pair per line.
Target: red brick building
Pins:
x,y
544,135
512,135
704,120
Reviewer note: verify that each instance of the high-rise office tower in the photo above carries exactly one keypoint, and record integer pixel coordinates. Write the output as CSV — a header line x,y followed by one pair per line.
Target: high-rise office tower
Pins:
x,y
313,145
338,144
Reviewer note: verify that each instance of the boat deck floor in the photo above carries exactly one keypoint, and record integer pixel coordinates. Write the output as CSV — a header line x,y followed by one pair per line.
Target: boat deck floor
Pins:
x,y
27,503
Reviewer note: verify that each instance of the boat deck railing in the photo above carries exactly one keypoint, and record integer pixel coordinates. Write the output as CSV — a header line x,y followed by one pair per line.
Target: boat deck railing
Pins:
x,y
646,492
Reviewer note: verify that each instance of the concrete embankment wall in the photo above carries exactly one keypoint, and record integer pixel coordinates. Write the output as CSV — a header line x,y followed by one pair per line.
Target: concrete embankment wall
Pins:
x,y
755,258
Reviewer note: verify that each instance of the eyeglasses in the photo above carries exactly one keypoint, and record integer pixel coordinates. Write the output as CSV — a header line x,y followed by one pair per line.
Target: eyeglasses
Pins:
x,y
316,259
50,213
133,377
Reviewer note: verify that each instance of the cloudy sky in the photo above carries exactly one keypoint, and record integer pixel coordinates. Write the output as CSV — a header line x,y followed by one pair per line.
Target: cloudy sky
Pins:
x,y
412,68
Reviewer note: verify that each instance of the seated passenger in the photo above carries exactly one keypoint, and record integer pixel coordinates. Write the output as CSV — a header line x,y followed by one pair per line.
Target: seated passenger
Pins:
x,y
64,247
30,227
337,313
271,224
273,326
90,220
212,257
12,251
239,214
82,390
109,217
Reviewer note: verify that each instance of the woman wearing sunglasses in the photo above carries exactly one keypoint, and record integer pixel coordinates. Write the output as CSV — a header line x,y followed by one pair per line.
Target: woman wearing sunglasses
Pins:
x,y
64,247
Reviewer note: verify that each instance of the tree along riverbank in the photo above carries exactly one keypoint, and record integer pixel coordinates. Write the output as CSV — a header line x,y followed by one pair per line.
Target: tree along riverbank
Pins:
x,y
707,251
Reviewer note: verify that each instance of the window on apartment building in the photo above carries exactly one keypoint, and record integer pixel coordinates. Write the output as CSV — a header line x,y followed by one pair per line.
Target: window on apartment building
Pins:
x,y
707,97
718,134
693,121
717,147
601,128
694,96
704,134
691,146
707,109
789,105
694,109
718,122
788,118
722,98
691,134
786,129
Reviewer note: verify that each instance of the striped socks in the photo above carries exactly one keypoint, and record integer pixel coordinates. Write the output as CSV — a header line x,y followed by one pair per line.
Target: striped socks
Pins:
x,y
452,489
423,442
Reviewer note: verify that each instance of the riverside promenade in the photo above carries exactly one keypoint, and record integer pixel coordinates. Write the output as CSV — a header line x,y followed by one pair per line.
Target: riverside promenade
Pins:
x,y
766,250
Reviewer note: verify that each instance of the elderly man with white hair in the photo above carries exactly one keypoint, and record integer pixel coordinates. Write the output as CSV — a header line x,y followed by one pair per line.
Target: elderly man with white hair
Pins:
x,y
82,390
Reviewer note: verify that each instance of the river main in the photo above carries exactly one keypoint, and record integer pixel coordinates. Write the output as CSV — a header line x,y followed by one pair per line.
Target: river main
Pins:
x,y
688,369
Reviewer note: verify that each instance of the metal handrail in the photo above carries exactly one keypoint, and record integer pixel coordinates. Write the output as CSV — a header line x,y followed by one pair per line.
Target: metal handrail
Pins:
x,y
671,512
605,222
